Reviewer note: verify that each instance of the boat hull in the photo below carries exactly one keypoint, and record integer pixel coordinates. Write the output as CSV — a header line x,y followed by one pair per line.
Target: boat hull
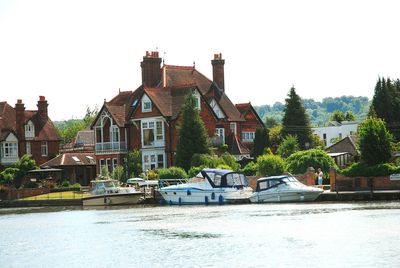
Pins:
x,y
284,196
113,199
199,196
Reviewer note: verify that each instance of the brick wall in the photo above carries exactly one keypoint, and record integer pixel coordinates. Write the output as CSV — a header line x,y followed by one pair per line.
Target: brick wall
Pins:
x,y
340,182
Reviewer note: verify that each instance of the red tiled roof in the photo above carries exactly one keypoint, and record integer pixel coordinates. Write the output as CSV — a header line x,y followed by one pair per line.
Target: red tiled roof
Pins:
x,y
71,159
44,129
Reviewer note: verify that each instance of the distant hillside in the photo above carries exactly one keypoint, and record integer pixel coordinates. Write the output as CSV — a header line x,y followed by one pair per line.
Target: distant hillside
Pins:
x,y
320,112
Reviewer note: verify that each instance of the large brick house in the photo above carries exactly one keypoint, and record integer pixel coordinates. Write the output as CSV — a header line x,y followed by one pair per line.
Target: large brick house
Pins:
x,y
27,132
147,118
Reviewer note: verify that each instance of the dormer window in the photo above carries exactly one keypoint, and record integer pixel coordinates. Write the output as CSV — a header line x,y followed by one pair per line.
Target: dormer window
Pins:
x,y
29,130
217,110
196,96
146,104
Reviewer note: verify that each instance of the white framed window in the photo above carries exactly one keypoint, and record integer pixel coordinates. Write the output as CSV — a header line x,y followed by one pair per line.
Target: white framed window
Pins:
x,y
114,133
146,104
10,149
196,96
152,133
153,160
248,136
29,130
233,128
101,165
220,132
217,110
44,149
28,147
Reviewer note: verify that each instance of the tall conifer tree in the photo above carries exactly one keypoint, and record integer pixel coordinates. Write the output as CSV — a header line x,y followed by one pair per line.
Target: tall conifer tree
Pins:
x,y
295,120
192,134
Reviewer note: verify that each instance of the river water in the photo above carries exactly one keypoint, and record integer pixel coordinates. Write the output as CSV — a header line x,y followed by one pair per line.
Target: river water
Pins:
x,y
279,235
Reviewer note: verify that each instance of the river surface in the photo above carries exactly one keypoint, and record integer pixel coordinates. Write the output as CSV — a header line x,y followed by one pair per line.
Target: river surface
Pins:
x,y
361,234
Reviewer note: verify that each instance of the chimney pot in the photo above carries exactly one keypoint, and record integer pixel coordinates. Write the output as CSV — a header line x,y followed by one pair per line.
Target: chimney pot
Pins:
x,y
19,101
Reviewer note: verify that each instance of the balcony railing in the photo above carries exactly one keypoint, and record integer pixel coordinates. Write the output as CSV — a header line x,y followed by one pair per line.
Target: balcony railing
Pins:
x,y
104,147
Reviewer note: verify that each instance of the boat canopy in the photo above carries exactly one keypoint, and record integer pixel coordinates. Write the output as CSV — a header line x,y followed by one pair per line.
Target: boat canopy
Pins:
x,y
224,178
269,182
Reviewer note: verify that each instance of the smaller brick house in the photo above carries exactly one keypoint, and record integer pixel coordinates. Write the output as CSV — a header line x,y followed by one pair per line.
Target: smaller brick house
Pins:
x,y
27,132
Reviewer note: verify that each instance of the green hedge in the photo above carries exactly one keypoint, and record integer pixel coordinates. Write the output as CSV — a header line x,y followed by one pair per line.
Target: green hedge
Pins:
x,y
172,173
362,170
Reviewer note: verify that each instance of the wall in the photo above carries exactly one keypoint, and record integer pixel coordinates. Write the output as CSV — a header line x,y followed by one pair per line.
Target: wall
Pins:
x,y
340,182
333,131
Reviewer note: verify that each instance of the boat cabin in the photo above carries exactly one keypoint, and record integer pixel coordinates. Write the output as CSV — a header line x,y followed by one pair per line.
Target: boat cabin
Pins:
x,y
219,178
99,187
266,183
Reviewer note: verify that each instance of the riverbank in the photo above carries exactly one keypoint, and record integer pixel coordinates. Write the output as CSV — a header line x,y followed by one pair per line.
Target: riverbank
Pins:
x,y
327,196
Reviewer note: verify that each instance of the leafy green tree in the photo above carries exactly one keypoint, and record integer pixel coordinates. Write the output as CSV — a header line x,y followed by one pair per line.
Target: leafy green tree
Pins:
x,y
288,146
118,174
349,116
133,167
374,141
261,141
192,135
230,161
270,165
250,169
295,120
22,166
69,128
275,137
338,116
271,122
298,162
7,175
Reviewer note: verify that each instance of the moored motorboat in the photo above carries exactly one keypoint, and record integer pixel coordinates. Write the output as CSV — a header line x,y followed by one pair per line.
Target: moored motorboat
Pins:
x,y
109,193
285,188
210,186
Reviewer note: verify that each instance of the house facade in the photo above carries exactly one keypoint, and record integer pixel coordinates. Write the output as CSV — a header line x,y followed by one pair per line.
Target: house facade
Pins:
x,y
27,132
336,131
147,118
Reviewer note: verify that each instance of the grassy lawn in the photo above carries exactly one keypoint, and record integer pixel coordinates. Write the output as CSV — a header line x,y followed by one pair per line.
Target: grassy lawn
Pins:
x,y
59,195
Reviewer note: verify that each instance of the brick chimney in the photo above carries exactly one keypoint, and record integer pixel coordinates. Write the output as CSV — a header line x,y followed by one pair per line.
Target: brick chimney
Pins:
x,y
218,71
20,119
42,107
151,69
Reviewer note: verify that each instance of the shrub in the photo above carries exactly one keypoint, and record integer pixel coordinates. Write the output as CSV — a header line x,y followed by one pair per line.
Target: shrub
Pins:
x,y
76,185
288,146
193,171
224,166
65,184
230,161
49,184
151,175
298,162
205,160
363,170
250,169
270,165
172,173
30,184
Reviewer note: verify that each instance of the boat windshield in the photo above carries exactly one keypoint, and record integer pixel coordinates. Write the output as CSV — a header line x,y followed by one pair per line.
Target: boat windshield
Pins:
x,y
262,185
290,179
104,184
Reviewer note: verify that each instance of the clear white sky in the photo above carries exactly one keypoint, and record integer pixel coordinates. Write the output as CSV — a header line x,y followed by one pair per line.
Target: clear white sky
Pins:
x,y
78,52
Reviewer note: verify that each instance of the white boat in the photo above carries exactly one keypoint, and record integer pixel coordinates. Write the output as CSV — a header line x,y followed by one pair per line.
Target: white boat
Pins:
x,y
109,193
285,188
210,186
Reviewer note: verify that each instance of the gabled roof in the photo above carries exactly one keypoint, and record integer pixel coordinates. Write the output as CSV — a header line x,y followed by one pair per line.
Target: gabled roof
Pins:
x,y
244,108
351,140
7,117
44,129
182,76
71,159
